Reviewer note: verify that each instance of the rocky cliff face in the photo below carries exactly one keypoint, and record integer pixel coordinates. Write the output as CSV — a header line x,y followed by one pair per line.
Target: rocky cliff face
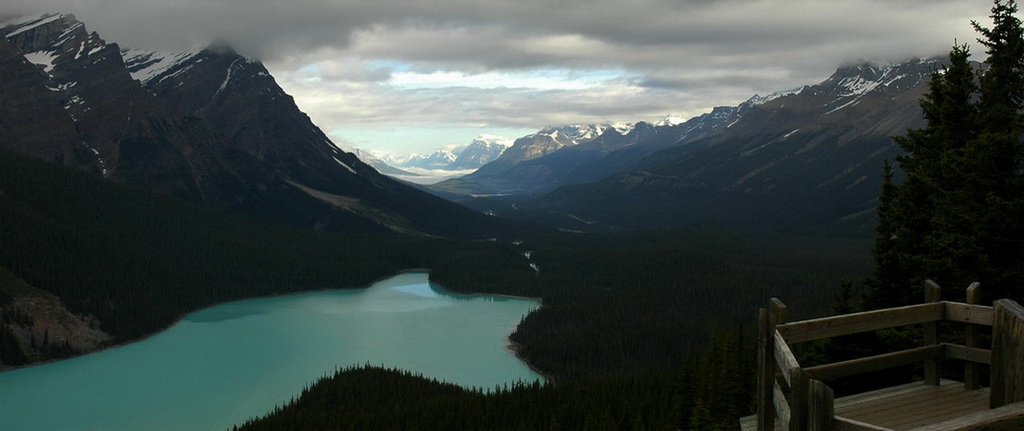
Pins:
x,y
33,119
35,326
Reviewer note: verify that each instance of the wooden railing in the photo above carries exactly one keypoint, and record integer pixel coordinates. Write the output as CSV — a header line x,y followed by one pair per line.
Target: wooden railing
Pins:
x,y
798,398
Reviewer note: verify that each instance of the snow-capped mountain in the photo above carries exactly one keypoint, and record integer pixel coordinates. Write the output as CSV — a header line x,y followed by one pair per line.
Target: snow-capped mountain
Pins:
x,y
545,141
208,125
798,160
568,154
381,165
671,120
438,160
789,160
483,150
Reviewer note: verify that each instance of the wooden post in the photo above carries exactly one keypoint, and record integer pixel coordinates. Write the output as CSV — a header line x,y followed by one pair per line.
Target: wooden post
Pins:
x,y
931,334
820,406
776,307
765,370
972,370
1007,349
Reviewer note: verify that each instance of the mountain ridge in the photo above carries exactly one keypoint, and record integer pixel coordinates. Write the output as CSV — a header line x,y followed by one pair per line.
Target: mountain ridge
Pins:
x,y
209,126
800,159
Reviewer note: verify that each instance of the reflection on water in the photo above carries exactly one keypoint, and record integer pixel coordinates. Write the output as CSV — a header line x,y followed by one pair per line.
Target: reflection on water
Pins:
x,y
223,365
222,314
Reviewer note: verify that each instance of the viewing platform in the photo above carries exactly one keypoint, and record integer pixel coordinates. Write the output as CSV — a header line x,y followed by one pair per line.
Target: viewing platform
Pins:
x,y
794,398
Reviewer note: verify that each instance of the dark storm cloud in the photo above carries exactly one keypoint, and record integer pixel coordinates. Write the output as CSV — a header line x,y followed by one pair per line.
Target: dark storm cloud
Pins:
x,y
271,28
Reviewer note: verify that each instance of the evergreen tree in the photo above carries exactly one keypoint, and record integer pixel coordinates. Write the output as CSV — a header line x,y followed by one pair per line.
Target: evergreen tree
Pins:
x,y
913,242
998,154
955,218
889,276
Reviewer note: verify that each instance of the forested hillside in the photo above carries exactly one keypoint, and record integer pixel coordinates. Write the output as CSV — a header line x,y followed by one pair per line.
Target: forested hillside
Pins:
x,y
618,304
631,308
639,331
703,394
137,260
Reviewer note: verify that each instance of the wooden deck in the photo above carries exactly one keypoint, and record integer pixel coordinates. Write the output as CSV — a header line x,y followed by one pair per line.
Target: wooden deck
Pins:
x,y
792,397
905,407
913,405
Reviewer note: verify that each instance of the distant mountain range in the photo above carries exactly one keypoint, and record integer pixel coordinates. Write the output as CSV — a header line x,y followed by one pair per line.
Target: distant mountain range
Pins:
x,y
484,149
213,127
207,125
806,160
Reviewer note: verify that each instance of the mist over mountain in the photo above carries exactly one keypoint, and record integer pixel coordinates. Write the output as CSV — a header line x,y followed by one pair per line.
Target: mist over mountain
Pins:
x,y
207,125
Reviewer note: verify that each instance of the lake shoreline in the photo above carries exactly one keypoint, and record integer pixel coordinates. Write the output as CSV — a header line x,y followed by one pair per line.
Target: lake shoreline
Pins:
x,y
403,322
278,295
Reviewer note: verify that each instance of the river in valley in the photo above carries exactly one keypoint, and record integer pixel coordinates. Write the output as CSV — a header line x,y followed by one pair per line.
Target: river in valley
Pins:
x,y
220,366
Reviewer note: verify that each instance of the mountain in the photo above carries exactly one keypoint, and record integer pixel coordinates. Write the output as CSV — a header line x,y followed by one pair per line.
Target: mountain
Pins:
x,y
494,177
207,125
381,166
545,141
802,160
483,150
440,159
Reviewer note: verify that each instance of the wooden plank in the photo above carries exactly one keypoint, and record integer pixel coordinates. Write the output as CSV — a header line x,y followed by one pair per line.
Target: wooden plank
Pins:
x,y
1005,418
748,423
890,392
912,405
1007,349
972,337
967,313
782,408
932,407
904,391
798,400
828,327
932,294
874,363
973,355
889,409
820,406
846,424
785,359
765,371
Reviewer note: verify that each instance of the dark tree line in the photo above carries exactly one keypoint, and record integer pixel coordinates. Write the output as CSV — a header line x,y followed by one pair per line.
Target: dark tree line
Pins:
x,y
704,393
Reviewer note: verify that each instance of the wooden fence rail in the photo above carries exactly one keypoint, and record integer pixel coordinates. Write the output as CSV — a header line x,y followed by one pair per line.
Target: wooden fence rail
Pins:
x,y
798,398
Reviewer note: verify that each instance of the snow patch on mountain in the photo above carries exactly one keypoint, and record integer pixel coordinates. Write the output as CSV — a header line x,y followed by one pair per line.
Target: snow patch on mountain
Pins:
x,y
46,59
493,140
624,128
145,65
761,100
28,23
227,79
671,120
868,78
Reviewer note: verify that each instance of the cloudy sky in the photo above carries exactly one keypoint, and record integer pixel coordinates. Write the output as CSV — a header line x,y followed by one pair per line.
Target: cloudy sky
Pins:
x,y
400,76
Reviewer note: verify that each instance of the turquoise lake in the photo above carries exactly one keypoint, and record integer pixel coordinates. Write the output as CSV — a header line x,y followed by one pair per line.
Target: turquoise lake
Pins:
x,y
220,366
